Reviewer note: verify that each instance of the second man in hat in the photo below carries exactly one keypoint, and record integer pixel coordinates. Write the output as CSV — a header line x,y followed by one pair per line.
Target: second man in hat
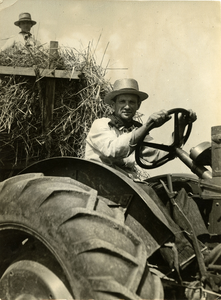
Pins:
x,y
24,38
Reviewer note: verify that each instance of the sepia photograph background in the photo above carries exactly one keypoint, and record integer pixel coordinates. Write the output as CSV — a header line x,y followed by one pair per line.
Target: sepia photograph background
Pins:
x,y
172,48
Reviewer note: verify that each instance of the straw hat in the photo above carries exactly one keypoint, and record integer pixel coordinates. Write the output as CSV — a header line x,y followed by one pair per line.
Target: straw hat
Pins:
x,y
125,86
25,17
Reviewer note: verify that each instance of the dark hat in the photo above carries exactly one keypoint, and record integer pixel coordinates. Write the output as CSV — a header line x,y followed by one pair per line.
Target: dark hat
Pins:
x,y
125,86
25,17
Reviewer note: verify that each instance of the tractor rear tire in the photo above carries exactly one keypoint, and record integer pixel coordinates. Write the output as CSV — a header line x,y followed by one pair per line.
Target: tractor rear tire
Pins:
x,y
60,240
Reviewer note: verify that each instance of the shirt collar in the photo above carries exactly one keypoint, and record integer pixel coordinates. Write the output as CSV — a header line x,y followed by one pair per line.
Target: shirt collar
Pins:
x,y
119,124
26,33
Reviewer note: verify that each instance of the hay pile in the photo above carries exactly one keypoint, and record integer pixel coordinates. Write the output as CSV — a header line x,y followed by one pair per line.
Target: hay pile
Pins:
x,y
77,104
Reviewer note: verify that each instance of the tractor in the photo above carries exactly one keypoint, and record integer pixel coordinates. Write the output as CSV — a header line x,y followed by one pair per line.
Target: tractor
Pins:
x,y
77,229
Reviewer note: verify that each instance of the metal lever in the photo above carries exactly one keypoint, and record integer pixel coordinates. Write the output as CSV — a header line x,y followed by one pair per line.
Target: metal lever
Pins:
x,y
199,256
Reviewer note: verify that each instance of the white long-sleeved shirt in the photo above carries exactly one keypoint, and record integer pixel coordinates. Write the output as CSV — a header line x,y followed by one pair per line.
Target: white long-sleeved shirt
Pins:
x,y
20,40
115,147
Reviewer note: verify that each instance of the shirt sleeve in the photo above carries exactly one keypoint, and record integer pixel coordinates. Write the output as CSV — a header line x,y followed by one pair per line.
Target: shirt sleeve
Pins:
x,y
107,142
8,44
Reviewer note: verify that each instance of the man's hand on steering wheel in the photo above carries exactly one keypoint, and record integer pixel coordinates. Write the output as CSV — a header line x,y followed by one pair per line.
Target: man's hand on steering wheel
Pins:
x,y
158,119
187,119
182,118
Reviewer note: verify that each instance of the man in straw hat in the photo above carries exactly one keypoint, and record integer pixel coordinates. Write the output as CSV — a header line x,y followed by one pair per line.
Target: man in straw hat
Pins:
x,y
24,38
113,140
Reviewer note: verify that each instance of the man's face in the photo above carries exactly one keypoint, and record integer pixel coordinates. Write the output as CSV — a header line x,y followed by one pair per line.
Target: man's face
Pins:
x,y
25,26
126,106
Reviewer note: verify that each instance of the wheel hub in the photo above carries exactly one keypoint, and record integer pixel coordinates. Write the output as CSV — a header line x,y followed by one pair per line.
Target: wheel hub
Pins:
x,y
29,280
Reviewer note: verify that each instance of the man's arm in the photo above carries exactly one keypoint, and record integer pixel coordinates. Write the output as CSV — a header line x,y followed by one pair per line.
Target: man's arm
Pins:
x,y
158,119
107,142
155,120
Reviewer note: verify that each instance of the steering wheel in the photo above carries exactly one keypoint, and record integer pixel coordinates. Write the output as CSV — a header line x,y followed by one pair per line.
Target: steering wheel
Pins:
x,y
171,149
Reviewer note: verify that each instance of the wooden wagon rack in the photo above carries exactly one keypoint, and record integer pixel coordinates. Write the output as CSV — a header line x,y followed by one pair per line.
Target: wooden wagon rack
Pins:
x,y
50,75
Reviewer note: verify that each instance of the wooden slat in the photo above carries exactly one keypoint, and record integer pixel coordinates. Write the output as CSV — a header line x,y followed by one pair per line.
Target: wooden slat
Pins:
x,y
4,70
48,103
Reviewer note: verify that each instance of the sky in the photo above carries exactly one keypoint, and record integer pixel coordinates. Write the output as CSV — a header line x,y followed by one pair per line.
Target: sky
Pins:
x,y
172,48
